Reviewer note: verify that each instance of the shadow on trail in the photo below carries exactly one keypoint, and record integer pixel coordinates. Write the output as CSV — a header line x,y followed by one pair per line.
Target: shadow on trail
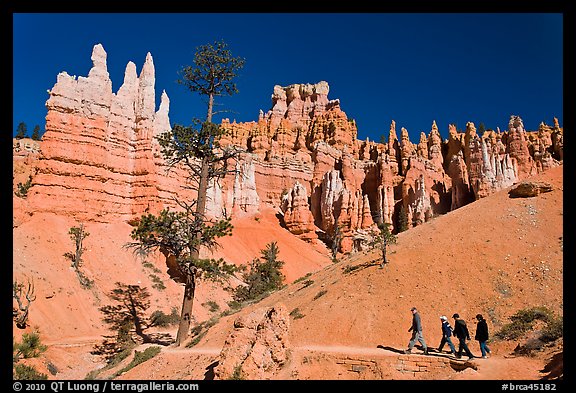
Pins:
x,y
348,269
431,351
209,374
400,351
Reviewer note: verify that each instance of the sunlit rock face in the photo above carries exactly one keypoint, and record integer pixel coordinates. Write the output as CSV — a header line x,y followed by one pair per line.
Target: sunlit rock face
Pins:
x,y
99,160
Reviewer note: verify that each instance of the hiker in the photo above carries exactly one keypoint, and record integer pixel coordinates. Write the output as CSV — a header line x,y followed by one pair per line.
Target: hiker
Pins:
x,y
416,330
446,334
461,331
482,335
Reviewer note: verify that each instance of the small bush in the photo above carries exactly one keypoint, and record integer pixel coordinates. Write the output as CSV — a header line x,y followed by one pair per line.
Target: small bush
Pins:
x,y
30,347
320,294
200,330
211,305
24,187
140,357
350,269
158,283
531,314
523,321
27,373
235,305
307,283
514,330
150,265
263,277
120,356
553,330
237,374
302,278
159,318
296,314
85,282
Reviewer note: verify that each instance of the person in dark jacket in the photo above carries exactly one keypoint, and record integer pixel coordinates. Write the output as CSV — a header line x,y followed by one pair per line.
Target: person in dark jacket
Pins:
x,y
482,335
416,330
446,334
461,331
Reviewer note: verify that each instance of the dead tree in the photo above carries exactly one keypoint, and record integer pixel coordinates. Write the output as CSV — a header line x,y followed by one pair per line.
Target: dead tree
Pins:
x,y
24,296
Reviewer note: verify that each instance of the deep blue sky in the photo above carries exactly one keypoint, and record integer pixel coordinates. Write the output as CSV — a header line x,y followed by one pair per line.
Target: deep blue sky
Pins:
x,y
413,68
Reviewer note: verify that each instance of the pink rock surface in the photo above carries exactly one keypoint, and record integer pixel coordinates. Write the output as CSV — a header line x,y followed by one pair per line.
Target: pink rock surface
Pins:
x,y
100,161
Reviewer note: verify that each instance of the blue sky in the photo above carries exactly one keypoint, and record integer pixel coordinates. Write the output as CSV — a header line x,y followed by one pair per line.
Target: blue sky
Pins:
x,y
412,68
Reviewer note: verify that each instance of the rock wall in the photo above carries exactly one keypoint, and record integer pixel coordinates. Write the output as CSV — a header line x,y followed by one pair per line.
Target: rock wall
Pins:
x,y
305,147
100,161
258,347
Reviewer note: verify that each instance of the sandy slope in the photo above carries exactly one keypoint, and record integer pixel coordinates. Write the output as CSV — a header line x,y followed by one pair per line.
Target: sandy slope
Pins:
x,y
494,257
64,312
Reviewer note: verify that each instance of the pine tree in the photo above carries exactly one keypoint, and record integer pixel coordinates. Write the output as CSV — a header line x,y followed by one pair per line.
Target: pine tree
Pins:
x,y
481,129
181,235
263,276
402,219
21,131
36,133
381,239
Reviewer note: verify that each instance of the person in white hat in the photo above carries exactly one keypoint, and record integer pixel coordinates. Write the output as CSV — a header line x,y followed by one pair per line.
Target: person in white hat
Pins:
x,y
446,334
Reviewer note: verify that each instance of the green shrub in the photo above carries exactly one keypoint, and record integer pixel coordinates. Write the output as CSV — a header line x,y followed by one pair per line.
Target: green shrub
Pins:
x,y
296,314
140,357
263,276
307,283
27,373
211,305
159,318
150,265
24,187
553,330
237,374
514,330
523,321
200,330
30,347
302,278
531,314
235,304
158,283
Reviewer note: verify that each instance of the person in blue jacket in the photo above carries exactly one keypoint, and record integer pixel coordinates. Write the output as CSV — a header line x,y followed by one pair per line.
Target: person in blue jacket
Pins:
x,y
446,334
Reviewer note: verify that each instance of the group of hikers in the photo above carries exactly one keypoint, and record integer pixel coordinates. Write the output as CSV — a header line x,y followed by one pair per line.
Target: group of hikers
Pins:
x,y
460,331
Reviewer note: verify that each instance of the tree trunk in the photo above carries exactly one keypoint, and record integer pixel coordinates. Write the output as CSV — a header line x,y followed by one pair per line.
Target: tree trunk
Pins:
x,y
383,256
210,108
186,314
190,285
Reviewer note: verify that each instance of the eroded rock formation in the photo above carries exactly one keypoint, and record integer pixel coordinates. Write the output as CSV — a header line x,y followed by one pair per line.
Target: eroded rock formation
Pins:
x,y
258,346
100,160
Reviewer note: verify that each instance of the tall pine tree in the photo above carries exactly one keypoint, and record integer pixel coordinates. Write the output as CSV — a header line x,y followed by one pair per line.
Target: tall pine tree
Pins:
x,y
181,235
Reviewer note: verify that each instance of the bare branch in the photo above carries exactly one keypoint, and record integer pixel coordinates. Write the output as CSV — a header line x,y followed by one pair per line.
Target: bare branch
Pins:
x,y
20,315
